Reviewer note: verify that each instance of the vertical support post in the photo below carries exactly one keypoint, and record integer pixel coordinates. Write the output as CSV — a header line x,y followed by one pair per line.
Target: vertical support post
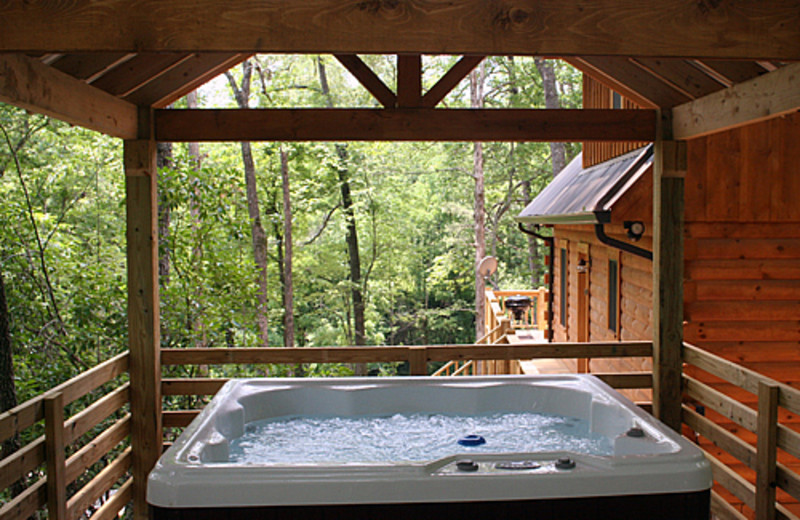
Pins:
x,y
766,453
143,308
669,171
54,454
418,361
409,80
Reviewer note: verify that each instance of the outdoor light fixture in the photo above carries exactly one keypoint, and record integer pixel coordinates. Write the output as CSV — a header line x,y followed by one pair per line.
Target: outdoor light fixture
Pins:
x,y
635,229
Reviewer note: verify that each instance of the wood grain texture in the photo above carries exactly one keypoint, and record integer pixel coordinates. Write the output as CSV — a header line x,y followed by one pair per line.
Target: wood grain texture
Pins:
x,y
28,84
403,125
766,450
755,100
665,28
55,446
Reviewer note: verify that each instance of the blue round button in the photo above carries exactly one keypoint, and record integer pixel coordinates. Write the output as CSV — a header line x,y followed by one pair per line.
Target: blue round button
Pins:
x,y
471,440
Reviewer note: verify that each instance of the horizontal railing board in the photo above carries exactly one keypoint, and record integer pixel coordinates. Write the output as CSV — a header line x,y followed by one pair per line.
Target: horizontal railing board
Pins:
x,y
102,482
720,437
110,510
723,510
178,418
443,353
89,454
721,403
732,481
625,380
193,386
24,505
92,415
28,413
22,462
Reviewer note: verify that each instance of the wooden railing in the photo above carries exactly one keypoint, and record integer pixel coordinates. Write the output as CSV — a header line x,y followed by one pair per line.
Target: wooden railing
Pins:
x,y
74,467
534,318
418,358
756,454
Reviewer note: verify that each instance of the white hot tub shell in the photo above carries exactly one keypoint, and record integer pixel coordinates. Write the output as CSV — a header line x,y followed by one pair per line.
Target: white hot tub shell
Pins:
x,y
193,479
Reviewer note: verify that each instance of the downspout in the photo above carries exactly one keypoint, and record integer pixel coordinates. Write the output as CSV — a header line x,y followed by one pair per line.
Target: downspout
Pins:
x,y
550,241
600,232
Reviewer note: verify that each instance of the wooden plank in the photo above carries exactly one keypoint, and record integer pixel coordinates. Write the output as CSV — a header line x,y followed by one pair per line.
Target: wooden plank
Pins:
x,y
626,380
184,78
409,80
523,350
720,436
723,155
450,80
28,84
745,248
669,167
196,386
79,424
722,404
89,454
749,290
142,69
681,75
26,414
739,331
54,450
630,80
730,72
21,462
368,79
743,310
665,28
742,229
322,124
24,505
102,482
87,67
721,509
143,309
749,380
732,481
178,418
745,269
110,510
418,361
757,99
788,480
766,450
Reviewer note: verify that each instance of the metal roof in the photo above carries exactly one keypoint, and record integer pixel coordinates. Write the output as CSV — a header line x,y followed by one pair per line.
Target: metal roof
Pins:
x,y
585,196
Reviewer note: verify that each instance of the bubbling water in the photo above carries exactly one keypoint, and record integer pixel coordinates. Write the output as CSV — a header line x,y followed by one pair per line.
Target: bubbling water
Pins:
x,y
409,438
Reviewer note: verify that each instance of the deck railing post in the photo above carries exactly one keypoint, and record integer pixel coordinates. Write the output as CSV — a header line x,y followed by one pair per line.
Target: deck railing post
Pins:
x,y
418,361
54,456
766,453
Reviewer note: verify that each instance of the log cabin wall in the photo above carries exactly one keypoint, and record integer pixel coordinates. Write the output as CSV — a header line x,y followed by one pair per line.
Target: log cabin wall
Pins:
x,y
597,95
742,248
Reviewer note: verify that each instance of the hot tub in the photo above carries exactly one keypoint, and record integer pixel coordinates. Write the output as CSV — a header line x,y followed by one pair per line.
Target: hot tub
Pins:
x,y
642,469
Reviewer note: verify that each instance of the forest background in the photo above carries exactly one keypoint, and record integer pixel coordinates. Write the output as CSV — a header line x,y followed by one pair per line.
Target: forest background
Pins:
x,y
271,244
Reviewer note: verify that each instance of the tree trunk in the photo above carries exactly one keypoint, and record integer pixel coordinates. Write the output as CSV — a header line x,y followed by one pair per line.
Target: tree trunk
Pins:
x,y
197,322
351,236
258,234
8,391
288,287
533,257
558,152
476,79
163,160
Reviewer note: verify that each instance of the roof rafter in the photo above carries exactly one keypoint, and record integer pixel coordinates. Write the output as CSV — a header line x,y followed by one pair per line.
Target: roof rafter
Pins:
x,y
407,124
450,79
29,84
409,80
646,28
770,95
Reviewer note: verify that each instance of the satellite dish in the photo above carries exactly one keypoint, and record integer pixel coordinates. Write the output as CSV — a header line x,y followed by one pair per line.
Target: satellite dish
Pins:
x,y
487,266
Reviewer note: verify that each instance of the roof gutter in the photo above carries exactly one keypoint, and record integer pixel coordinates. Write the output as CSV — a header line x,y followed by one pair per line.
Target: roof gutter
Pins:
x,y
600,233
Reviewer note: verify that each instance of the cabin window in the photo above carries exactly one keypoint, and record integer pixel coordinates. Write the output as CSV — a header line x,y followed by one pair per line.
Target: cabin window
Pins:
x,y
616,100
613,294
563,274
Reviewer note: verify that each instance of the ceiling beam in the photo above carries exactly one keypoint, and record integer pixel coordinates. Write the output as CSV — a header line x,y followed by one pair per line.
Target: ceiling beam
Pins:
x,y
773,94
404,125
137,72
184,78
630,80
681,75
368,79
29,84
451,78
88,67
764,29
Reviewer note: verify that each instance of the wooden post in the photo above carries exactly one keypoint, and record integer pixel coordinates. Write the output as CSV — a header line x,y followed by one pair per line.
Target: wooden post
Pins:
x,y
669,170
766,450
417,361
54,453
143,308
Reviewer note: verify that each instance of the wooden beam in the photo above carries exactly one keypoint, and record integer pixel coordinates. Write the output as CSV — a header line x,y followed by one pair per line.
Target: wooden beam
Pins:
x,y
87,67
730,72
669,168
143,308
138,71
451,78
630,80
757,99
766,457
404,125
682,76
28,84
657,28
409,81
368,79
184,78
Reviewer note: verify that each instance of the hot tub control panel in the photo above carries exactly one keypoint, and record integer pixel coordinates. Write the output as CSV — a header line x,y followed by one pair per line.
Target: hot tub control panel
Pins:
x,y
466,466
